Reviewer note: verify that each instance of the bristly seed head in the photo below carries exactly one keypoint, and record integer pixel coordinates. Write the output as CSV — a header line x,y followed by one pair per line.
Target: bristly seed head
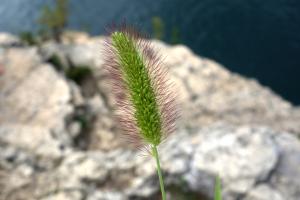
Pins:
x,y
146,107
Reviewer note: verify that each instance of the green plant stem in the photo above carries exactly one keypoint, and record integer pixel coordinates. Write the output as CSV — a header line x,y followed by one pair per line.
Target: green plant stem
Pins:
x,y
161,180
218,190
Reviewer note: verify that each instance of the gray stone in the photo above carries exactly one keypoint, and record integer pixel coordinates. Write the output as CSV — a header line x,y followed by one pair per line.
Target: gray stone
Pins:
x,y
230,126
106,195
34,105
8,40
79,54
238,155
71,194
264,192
285,176
21,136
210,93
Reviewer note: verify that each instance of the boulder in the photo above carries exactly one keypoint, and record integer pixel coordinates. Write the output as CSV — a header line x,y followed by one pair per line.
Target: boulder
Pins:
x,y
8,40
59,140
207,91
210,93
263,192
246,158
35,103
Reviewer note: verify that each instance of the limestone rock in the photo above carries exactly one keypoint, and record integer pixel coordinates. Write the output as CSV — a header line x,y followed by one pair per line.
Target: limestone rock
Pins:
x,y
230,125
35,101
208,91
236,149
211,93
8,40
239,155
106,195
21,136
264,192
78,54
287,169
66,195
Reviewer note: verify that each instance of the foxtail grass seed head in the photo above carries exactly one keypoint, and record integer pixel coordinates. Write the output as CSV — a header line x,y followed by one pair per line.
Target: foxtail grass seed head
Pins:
x,y
145,104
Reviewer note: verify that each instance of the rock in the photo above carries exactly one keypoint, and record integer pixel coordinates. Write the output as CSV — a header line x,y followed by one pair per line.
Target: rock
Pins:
x,y
78,54
210,93
244,151
66,195
44,143
8,40
11,183
75,37
263,192
239,155
287,169
34,105
11,60
59,140
77,164
106,195
37,96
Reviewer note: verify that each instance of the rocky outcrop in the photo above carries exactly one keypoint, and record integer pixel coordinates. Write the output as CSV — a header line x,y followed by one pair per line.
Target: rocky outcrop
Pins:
x,y
58,139
211,93
8,40
251,162
207,91
35,102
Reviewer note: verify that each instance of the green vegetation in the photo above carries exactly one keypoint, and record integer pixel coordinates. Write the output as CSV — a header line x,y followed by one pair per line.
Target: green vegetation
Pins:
x,y
158,28
218,190
139,85
54,20
140,81
75,73
78,73
28,38
142,96
178,193
56,62
158,31
175,37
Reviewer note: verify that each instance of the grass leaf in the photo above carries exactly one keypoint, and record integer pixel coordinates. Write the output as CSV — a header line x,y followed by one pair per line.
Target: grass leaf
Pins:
x,y
218,190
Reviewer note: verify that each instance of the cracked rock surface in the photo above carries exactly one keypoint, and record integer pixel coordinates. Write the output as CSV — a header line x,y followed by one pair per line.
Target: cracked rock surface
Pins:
x,y
58,139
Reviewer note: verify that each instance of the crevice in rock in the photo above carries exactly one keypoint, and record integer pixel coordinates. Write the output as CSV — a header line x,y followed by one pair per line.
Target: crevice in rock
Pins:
x,y
267,179
100,91
270,174
174,192
86,121
86,81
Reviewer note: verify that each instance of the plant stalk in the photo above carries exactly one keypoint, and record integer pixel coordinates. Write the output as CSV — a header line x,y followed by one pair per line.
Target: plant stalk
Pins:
x,y
161,180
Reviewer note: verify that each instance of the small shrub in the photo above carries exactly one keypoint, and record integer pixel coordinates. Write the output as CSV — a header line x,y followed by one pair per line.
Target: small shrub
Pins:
x,y
158,28
54,20
78,73
56,62
28,38
178,193
175,37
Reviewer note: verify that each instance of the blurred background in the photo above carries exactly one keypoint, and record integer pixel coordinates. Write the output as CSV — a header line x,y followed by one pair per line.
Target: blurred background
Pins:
x,y
236,67
259,39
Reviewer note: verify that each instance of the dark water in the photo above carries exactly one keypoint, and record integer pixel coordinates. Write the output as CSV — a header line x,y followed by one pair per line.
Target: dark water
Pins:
x,y
256,38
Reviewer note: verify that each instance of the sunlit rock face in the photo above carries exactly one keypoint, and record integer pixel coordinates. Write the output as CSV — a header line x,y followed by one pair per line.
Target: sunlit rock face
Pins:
x,y
59,140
